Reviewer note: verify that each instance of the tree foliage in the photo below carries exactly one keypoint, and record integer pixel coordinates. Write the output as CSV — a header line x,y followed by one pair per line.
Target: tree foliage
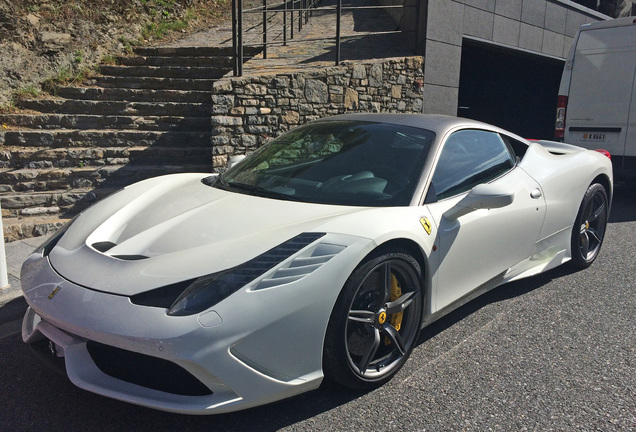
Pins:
x,y
611,8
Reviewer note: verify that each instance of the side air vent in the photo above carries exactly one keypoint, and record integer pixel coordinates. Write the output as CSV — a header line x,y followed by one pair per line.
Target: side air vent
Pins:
x,y
301,267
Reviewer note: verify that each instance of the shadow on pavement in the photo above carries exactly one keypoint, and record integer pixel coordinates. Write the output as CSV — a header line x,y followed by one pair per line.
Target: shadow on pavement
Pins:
x,y
37,398
624,203
41,397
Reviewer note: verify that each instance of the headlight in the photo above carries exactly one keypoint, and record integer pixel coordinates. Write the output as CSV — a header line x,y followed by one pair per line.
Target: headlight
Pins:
x,y
206,291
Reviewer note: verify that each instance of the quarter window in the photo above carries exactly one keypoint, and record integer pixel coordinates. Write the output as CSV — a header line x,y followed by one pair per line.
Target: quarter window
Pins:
x,y
469,158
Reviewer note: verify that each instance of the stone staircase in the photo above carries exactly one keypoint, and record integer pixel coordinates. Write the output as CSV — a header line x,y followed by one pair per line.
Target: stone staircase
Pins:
x,y
147,116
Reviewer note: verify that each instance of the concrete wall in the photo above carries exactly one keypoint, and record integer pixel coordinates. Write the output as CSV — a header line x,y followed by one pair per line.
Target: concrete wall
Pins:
x,y
539,27
410,19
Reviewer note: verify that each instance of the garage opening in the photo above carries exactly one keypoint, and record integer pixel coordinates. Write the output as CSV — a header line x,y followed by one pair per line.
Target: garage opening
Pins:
x,y
511,89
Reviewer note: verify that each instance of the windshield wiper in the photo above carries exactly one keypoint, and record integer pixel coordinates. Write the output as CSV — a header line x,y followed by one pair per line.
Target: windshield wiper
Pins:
x,y
259,191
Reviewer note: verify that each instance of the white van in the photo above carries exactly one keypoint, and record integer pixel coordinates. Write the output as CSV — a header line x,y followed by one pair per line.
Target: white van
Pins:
x,y
597,95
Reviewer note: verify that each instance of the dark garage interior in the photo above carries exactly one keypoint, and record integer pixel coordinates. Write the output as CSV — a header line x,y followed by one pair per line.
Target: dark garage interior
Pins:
x,y
511,89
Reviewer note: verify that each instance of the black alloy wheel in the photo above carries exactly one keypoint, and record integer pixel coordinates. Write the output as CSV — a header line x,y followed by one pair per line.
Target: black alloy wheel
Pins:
x,y
589,227
376,321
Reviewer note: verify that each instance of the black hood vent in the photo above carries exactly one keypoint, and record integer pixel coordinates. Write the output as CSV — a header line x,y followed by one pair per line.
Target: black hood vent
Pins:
x,y
105,246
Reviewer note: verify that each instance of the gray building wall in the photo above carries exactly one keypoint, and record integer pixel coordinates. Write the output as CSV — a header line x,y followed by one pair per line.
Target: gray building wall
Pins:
x,y
539,27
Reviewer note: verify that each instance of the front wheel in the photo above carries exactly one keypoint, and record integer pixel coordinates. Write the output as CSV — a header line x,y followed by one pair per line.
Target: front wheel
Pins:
x,y
375,322
589,227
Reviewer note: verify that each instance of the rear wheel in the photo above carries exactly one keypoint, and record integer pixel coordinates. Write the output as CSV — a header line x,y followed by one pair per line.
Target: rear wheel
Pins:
x,y
589,226
375,322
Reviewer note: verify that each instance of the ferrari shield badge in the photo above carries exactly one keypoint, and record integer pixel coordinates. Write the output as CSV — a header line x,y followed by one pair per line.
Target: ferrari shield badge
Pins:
x,y
426,224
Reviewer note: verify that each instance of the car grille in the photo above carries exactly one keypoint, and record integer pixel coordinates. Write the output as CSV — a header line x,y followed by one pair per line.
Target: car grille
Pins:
x,y
145,370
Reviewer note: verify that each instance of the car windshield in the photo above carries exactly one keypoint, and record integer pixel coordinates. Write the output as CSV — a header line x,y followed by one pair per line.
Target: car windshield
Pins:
x,y
336,162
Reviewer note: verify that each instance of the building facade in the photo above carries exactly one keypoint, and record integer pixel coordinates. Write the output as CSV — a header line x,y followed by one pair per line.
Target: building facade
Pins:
x,y
474,48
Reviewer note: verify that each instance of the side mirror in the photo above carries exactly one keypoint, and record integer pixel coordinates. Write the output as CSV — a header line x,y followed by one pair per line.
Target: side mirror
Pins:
x,y
483,196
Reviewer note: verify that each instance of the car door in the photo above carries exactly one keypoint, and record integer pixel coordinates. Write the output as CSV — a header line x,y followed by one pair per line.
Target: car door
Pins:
x,y
480,246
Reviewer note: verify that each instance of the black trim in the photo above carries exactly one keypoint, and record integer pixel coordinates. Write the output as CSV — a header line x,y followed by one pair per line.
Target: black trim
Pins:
x,y
222,284
594,129
103,246
45,351
146,371
162,297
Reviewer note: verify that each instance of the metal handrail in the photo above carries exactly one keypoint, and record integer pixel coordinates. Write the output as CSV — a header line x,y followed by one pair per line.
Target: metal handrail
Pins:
x,y
305,9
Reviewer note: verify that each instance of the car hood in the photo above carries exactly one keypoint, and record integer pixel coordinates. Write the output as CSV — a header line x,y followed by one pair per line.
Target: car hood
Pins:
x,y
173,228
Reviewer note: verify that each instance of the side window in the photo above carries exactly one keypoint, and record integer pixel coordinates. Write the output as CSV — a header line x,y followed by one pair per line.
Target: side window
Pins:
x,y
519,148
469,158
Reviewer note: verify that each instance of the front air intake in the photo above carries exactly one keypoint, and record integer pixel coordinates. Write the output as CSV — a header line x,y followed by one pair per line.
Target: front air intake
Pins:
x,y
146,371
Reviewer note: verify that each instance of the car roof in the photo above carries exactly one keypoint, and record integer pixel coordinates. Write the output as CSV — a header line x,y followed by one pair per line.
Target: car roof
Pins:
x,y
435,122
438,123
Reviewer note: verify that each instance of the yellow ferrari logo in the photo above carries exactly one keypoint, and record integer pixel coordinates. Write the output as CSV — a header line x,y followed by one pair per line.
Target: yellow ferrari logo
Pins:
x,y
382,317
57,288
426,224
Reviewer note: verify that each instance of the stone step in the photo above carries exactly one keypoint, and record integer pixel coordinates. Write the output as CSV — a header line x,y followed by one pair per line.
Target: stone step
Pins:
x,y
192,72
32,214
45,158
200,51
81,121
88,143
135,95
19,228
50,202
20,185
72,106
219,61
155,83
72,138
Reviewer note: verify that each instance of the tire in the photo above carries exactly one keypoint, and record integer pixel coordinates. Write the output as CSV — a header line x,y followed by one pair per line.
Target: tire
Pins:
x,y
368,339
589,227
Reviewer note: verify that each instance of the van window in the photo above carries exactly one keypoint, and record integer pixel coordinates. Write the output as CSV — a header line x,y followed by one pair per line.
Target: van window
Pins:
x,y
469,158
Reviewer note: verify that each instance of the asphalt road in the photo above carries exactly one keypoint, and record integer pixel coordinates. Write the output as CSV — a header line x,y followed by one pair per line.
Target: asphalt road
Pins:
x,y
555,352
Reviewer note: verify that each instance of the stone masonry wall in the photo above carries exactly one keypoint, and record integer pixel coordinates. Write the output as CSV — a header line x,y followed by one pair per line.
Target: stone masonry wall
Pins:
x,y
248,111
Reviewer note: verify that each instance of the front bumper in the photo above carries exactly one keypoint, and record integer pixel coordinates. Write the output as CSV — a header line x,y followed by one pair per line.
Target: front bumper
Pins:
x,y
82,369
253,348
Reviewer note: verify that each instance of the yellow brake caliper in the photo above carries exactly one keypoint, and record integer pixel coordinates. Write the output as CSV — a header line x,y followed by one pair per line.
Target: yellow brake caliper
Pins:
x,y
396,293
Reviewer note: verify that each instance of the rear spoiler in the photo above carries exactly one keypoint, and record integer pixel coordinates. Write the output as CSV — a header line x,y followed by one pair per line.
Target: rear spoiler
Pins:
x,y
558,147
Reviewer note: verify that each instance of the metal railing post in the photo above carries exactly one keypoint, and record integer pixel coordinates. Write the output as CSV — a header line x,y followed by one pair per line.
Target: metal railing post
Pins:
x,y
305,11
240,34
291,15
264,29
338,16
234,38
285,24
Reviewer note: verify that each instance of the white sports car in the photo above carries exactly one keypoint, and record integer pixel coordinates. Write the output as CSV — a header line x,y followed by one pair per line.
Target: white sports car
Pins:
x,y
322,254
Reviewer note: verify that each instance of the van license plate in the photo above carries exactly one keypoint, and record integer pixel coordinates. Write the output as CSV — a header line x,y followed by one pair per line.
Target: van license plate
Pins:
x,y
594,137
584,137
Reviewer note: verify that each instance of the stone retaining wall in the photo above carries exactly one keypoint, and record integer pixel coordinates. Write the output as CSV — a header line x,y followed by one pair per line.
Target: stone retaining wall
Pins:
x,y
248,111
